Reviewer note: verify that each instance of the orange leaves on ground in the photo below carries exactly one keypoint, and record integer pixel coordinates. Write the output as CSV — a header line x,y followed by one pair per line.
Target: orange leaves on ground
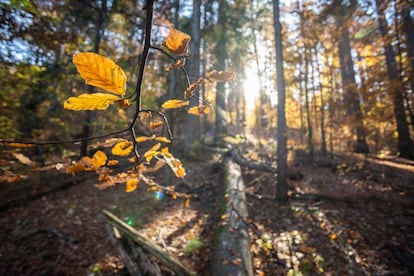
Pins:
x,y
177,42
187,202
122,148
199,110
174,103
131,184
219,76
94,101
101,72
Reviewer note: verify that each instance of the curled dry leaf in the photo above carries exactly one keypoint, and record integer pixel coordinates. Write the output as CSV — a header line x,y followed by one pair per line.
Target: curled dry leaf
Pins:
x,y
131,184
177,42
218,76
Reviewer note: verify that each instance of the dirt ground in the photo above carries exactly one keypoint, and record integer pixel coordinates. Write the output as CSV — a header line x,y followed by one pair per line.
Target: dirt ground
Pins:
x,y
350,216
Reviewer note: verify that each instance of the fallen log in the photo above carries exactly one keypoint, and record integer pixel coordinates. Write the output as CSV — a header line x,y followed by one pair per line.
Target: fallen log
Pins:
x,y
232,249
137,251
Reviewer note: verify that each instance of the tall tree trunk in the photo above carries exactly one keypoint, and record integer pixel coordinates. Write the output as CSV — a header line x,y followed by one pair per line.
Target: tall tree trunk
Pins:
x,y
221,56
191,122
322,107
307,108
282,186
352,100
99,26
405,144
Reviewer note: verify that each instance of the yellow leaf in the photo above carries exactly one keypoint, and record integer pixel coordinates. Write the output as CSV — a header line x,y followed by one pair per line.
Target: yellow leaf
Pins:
x,y
163,139
177,42
199,110
187,202
98,159
174,104
122,148
219,76
94,101
152,152
178,64
141,139
224,216
333,236
131,184
101,72
166,152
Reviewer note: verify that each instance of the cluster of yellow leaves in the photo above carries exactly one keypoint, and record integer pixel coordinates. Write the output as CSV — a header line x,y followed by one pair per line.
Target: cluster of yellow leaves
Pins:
x,y
101,72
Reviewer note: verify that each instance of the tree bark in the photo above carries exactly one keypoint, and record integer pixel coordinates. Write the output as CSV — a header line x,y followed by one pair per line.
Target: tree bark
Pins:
x,y
352,100
281,188
232,251
405,144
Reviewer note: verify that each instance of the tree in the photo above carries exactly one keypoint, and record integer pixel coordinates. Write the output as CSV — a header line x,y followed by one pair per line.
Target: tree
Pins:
x,y
405,144
281,187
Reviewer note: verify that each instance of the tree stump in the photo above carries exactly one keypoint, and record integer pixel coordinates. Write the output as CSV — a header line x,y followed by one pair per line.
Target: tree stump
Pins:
x,y
232,250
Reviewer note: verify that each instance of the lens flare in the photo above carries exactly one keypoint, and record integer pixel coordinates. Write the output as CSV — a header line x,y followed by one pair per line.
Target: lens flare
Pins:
x,y
159,195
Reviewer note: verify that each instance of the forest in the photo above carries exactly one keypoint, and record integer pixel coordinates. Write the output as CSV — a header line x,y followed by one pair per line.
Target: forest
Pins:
x,y
214,137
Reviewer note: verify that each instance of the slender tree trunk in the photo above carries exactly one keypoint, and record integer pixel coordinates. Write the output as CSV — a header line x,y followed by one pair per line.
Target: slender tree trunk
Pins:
x,y
405,144
282,185
100,24
221,55
192,123
322,111
307,108
352,100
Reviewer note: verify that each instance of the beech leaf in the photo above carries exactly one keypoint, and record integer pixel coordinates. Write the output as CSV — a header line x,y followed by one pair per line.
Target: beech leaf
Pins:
x,y
131,184
199,110
219,76
174,103
122,148
177,42
94,101
98,159
101,72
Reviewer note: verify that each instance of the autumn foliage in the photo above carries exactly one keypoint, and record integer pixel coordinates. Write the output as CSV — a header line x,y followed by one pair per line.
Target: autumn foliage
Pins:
x,y
103,73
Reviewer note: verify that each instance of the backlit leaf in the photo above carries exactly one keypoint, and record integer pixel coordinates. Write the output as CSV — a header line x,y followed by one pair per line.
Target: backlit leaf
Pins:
x,y
163,139
152,152
177,42
94,101
189,92
219,76
98,159
113,162
174,104
101,72
199,110
124,103
131,184
141,139
178,64
122,148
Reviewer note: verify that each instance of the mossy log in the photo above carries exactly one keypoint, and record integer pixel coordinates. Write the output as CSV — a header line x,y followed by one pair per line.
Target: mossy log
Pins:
x,y
137,251
232,249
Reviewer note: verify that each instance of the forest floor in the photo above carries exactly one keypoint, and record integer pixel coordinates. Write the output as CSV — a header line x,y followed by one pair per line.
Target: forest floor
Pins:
x,y
350,216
